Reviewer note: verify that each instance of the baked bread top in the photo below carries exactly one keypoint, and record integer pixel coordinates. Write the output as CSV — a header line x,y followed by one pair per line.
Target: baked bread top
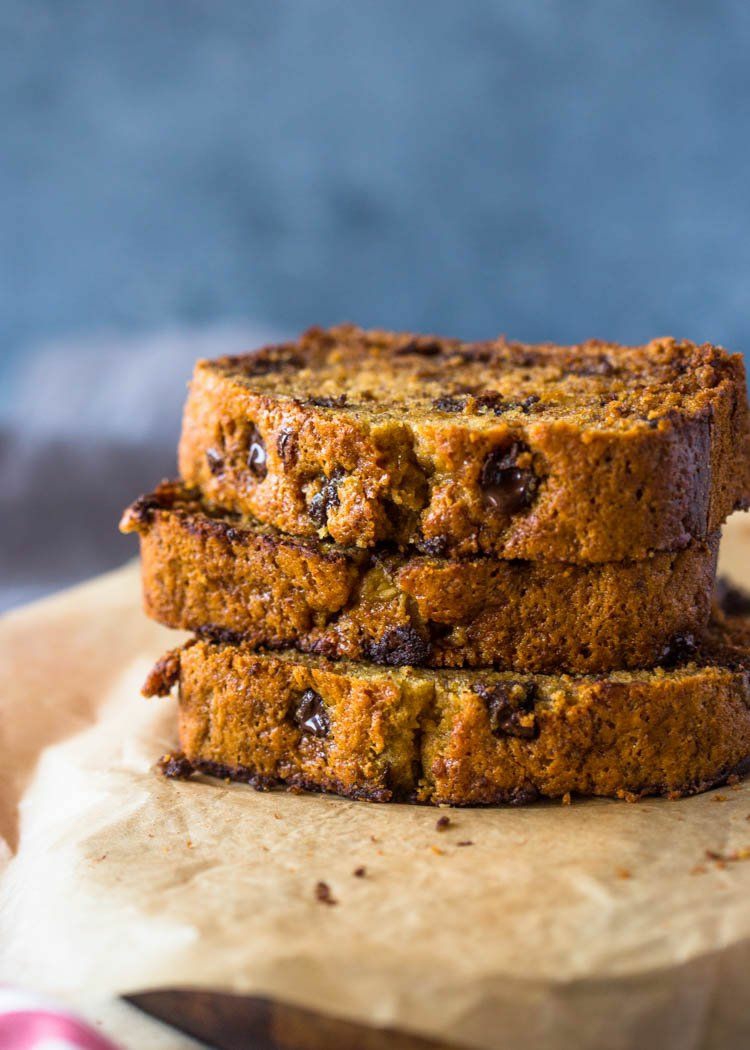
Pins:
x,y
595,452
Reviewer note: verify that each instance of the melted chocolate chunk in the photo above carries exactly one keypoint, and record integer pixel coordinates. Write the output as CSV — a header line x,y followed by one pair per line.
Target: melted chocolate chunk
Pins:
x,y
256,456
311,715
732,600
508,487
679,650
510,706
327,498
215,461
399,647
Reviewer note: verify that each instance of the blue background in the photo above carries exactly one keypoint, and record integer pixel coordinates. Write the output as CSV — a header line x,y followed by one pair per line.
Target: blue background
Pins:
x,y
551,170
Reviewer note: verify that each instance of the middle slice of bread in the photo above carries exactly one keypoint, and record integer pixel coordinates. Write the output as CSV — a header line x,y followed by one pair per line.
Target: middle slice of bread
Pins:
x,y
229,577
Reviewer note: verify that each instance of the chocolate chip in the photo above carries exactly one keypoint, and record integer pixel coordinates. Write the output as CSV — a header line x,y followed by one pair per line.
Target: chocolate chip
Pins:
x,y
510,706
176,767
256,456
442,823
215,461
399,647
679,650
286,446
449,404
327,498
528,402
508,487
324,894
731,599
328,402
311,715
421,348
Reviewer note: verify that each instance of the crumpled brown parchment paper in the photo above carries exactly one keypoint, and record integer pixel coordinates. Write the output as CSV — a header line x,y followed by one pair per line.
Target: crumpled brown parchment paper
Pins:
x,y
600,924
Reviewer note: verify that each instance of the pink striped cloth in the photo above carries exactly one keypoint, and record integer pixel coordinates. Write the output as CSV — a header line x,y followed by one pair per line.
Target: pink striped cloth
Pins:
x,y
29,1022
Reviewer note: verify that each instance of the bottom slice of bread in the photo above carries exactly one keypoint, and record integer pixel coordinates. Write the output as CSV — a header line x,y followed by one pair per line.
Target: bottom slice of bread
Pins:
x,y
460,737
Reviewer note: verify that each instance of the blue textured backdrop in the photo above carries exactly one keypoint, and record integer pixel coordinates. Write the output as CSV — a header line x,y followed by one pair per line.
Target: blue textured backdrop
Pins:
x,y
549,169
187,176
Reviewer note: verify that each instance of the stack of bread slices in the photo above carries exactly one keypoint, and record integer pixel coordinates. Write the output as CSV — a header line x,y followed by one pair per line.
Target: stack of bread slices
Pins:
x,y
463,573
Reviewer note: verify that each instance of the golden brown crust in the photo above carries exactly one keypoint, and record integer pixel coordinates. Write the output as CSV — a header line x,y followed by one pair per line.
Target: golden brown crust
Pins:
x,y
220,576
592,453
466,738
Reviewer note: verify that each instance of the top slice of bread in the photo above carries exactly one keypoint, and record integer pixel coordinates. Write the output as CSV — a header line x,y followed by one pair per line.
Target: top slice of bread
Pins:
x,y
595,452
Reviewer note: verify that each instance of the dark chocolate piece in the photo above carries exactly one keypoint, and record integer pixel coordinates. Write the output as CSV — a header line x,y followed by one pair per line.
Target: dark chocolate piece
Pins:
x,y
328,497
399,647
311,715
508,487
510,706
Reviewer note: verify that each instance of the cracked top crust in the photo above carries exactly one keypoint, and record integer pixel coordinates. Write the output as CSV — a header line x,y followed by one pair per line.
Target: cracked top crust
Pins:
x,y
590,453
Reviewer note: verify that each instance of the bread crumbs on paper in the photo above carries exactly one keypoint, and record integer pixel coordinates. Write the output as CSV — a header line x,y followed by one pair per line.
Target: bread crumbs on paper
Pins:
x,y
324,894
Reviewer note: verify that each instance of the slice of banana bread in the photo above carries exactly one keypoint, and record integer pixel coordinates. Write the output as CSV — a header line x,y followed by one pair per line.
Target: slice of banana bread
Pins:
x,y
460,737
587,453
220,575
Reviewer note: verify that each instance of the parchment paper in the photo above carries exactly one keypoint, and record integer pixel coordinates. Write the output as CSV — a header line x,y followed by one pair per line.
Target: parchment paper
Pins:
x,y
599,924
